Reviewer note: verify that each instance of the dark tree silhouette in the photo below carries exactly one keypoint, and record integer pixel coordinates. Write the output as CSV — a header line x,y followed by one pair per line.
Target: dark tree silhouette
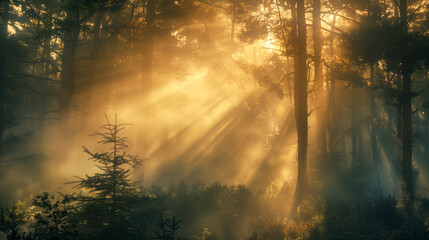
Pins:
x,y
111,191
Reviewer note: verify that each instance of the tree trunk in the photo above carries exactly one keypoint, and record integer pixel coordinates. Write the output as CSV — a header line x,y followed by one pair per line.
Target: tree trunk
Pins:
x,y
71,33
354,127
318,71
425,144
87,104
300,93
146,82
3,45
44,69
332,103
407,130
407,138
373,126
398,106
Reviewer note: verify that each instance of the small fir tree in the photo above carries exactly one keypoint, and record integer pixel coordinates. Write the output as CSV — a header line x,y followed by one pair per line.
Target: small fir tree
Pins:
x,y
112,191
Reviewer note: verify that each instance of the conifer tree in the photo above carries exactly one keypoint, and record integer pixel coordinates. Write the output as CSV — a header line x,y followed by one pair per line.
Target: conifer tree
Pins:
x,y
112,192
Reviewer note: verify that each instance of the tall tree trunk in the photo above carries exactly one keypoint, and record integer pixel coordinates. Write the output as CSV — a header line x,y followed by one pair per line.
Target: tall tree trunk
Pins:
x,y
45,71
71,33
3,45
300,93
373,128
332,103
407,130
425,135
146,82
424,122
407,138
318,78
399,124
93,63
398,105
354,127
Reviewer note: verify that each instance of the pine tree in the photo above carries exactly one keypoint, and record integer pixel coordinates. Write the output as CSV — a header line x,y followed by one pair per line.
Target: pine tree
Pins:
x,y
112,192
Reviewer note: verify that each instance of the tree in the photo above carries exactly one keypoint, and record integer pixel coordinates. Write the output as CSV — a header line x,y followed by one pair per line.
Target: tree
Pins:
x,y
407,125
300,94
71,35
318,78
414,56
15,54
112,192
376,41
146,67
93,66
77,16
3,42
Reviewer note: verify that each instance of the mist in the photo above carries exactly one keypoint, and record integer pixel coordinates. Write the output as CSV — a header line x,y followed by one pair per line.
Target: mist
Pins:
x,y
214,119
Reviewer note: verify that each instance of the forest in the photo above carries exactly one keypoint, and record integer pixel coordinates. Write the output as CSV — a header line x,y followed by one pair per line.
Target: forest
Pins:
x,y
214,119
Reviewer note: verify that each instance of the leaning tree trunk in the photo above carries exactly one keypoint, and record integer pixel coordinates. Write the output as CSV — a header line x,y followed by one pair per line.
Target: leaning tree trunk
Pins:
x,y
407,130
300,93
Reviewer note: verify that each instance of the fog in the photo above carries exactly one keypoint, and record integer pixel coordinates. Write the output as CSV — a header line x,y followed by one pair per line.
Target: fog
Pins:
x,y
294,106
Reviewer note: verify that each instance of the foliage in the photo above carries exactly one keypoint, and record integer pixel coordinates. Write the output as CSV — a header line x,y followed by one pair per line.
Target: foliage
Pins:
x,y
377,40
12,219
375,218
56,218
225,210
168,228
311,207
